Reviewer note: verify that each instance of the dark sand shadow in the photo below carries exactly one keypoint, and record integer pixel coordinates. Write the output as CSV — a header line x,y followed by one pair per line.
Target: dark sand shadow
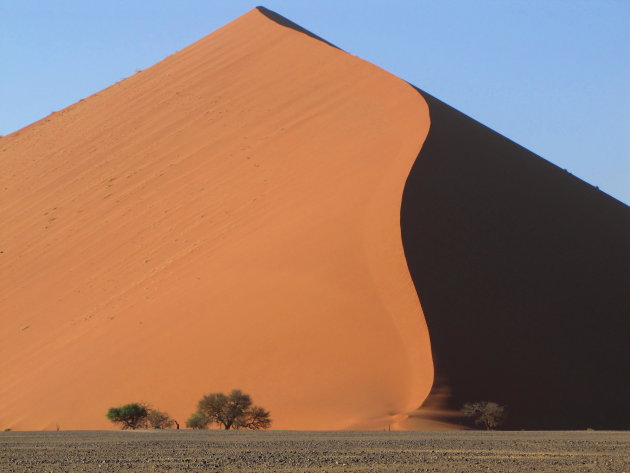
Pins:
x,y
272,15
523,273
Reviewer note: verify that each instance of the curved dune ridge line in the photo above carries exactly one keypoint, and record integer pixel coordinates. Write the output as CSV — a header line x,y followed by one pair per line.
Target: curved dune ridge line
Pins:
x,y
228,218
523,275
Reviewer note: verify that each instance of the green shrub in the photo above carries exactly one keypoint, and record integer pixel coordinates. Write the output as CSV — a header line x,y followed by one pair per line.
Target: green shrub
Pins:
x,y
232,411
197,421
130,416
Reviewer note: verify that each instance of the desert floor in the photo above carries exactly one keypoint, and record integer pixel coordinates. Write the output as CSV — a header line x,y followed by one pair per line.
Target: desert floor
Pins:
x,y
289,451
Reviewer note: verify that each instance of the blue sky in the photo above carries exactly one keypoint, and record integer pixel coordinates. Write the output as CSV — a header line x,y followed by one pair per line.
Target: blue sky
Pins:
x,y
552,75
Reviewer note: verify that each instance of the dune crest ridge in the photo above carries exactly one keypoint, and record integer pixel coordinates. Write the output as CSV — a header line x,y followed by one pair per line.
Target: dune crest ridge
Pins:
x,y
226,218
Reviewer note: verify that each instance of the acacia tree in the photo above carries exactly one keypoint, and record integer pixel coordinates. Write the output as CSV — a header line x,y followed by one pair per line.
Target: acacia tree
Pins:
x,y
489,414
255,418
159,420
131,416
232,411
197,421
140,416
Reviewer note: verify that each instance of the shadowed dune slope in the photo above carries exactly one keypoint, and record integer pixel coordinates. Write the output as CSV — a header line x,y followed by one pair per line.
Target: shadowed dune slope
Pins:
x,y
228,218
523,272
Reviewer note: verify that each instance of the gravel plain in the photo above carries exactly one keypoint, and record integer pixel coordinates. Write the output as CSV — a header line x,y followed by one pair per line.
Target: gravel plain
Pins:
x,y
287,451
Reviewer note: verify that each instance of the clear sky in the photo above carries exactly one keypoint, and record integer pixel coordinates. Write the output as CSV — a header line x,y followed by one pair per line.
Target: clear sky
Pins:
x,y
552,75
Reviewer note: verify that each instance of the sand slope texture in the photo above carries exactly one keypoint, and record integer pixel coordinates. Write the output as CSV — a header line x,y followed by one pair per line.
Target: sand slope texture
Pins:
x,y
228,218
264,211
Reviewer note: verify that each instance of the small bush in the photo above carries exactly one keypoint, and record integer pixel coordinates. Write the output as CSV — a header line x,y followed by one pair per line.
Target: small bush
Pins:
x,y
159,420
197,421
489,414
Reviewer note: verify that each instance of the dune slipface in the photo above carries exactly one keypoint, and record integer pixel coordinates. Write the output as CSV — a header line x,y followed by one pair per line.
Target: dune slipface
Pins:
x,y
228,218
523,272
250,213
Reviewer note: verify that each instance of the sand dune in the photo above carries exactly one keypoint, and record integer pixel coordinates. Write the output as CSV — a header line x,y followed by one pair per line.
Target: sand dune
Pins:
x,y
226,218
250,213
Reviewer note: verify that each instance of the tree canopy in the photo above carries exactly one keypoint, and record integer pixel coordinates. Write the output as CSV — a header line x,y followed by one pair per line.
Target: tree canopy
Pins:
x,y
130,416
230,411
489,414
140,416
160,420
197,421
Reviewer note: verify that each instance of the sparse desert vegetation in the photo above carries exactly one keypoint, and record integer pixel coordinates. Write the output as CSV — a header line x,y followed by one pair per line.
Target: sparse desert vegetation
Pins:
x,y
230,411
140,416
160,420
197,421
489,415
130,416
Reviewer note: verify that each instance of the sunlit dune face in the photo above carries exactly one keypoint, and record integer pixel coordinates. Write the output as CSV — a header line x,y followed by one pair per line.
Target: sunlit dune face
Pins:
x,y
228,218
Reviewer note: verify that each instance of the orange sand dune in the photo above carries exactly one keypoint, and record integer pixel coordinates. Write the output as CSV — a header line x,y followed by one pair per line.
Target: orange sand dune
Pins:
x,y
227,218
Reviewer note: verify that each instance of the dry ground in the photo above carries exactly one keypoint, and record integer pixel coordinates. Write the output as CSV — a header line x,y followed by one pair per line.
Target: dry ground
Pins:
x,y
286,451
